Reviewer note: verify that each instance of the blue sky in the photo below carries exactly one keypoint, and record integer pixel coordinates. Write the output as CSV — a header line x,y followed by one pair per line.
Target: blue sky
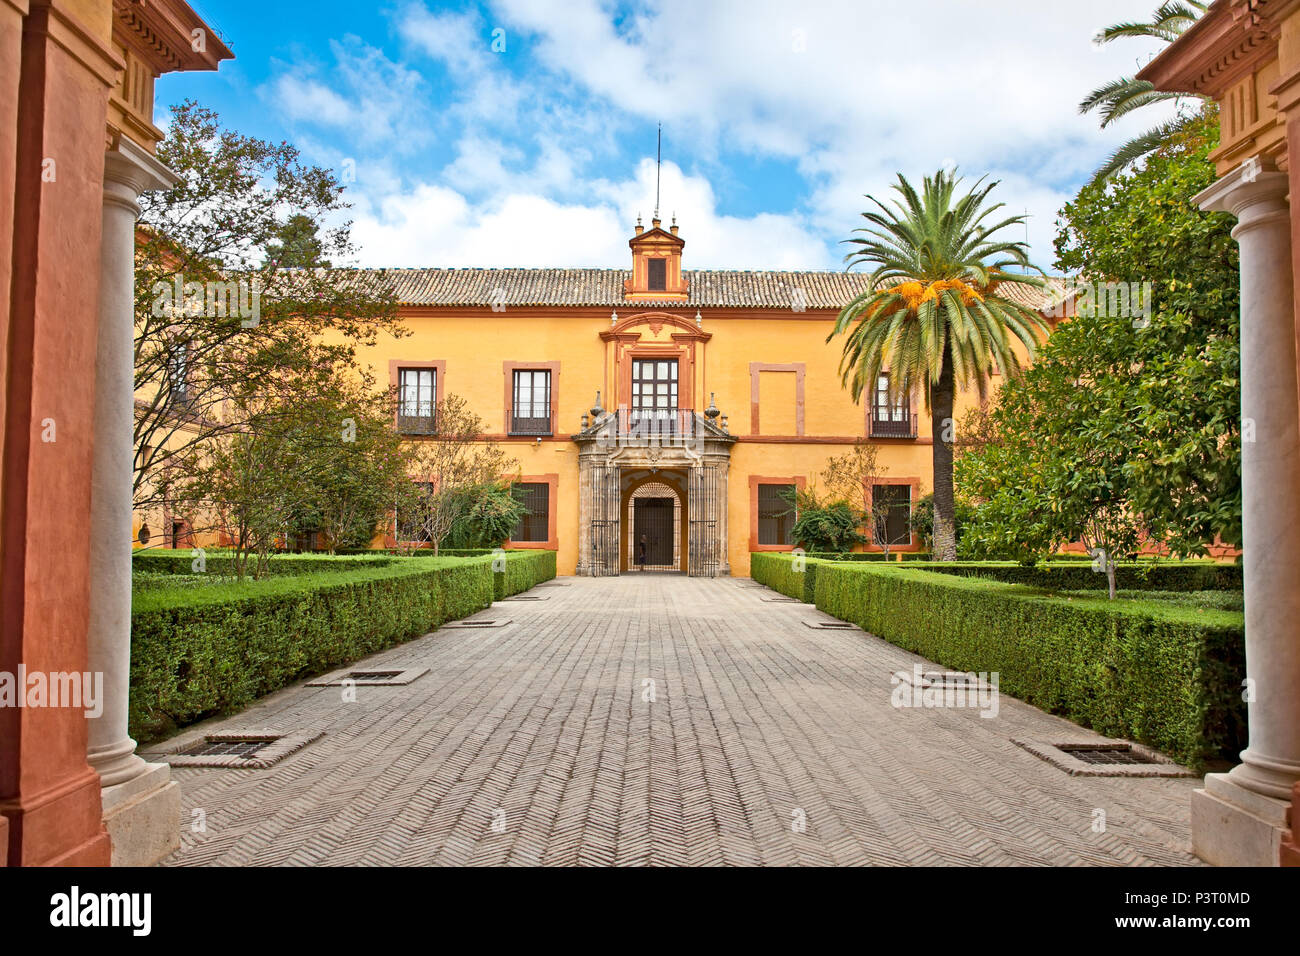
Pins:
x,y
522,132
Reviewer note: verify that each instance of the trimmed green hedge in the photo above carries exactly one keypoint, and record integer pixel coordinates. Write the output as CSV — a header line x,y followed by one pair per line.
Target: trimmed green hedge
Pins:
x,y
1165,676
222,562
1079,576
868,555
524,570
776,570
199,652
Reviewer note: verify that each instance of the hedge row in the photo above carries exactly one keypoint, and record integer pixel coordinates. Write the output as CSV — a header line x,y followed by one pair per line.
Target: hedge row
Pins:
x,y
869,555
1079,576
777,571
222,562
201,652
524,570
1164,676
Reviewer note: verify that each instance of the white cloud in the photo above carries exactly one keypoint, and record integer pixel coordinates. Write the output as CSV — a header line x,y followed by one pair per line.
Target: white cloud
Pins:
x,y
433,225
364,96
850,93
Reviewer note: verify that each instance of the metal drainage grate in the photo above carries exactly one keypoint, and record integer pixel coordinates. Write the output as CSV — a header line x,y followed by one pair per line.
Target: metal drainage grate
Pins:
x,y
945,680
227,748
479,624
246,751
527,597
782,600
368,678
953,678
1109,758
831,625
1121,754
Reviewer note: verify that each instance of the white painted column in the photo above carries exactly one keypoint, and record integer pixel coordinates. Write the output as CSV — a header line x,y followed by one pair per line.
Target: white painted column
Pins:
x,y
141,804
128,171
1261,785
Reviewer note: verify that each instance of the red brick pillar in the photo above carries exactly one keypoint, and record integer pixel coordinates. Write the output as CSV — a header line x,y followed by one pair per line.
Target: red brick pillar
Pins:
x,y
47,790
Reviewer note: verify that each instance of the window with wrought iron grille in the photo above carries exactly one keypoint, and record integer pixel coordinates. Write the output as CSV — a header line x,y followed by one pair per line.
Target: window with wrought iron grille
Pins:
x,y
530,410
178,373
535,525
897,519
889,418
417,400
775,514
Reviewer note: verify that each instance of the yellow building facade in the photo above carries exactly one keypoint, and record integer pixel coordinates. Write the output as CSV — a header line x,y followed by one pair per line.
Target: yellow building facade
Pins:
x,y
656,413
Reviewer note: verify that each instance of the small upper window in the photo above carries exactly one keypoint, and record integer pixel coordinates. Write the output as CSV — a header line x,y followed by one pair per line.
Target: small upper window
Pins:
x,y
658,277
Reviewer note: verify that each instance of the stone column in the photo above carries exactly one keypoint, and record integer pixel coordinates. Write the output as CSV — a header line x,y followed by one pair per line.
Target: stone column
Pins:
x,y
141,804
1239,818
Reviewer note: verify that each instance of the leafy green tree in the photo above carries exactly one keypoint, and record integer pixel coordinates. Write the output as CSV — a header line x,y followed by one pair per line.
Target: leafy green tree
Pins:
x,y
1122,96
936,315
1125,430
1057,475
1176,377
357,466
217,314
316,453
297,245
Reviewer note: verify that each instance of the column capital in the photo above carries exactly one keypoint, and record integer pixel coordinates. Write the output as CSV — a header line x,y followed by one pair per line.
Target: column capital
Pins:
x,y
134,167
1250,192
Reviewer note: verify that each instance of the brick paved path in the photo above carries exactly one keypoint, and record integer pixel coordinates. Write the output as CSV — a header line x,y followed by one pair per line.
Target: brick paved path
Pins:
x,y
758,722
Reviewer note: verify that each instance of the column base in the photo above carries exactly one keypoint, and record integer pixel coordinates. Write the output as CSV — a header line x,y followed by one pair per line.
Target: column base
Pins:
x,y
143,817
1233,826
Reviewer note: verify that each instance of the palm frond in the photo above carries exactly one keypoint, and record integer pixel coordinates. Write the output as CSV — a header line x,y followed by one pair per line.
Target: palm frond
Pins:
x,y
937,260
1136,148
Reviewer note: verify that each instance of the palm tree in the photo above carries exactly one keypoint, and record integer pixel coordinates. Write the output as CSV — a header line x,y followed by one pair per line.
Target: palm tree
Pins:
x,y
1121,97
936,315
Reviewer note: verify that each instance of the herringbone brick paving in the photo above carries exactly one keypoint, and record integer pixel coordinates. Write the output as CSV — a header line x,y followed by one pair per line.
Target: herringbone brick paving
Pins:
x,y
532,744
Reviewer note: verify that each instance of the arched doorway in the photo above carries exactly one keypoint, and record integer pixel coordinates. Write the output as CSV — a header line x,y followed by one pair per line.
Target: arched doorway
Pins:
x,y
654,525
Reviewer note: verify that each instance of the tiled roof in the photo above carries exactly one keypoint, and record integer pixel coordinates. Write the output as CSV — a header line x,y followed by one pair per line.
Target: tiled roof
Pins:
x,y
604,288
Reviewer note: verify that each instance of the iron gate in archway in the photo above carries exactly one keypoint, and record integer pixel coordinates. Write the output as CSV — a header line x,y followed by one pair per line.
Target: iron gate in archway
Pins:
x,y
603,508
703,507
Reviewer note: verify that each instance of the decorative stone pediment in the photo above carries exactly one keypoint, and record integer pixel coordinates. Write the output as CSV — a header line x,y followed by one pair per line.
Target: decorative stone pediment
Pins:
x,y
631,328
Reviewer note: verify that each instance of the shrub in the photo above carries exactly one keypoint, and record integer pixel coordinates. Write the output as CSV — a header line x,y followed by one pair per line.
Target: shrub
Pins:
x,y
213,650
778,573
221,562
825,525
1069,575
871,556
524,570
486,516
1166,676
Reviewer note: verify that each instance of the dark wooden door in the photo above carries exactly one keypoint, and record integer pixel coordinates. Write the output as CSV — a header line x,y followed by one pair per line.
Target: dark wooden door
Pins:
x,y
652,519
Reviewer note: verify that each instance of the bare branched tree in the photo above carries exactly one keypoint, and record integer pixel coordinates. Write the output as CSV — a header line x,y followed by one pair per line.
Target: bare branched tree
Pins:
x,y
453,461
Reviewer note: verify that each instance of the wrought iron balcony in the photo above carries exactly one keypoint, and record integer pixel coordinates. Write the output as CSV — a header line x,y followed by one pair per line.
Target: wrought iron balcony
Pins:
x,y
416,425
656,422
653,426
530,426
887,423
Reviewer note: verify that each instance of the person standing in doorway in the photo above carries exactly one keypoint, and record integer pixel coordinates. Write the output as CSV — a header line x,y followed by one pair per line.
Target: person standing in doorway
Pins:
x,y
641,553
